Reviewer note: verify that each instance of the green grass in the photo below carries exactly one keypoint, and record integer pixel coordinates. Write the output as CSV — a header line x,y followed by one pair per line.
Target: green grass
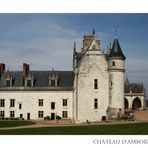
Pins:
x,y
14,123
122,129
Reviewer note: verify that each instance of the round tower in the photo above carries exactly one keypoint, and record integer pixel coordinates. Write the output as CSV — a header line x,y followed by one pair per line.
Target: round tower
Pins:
x,y
116,69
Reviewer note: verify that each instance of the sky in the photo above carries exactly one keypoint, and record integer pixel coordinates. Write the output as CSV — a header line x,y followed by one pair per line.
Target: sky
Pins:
x,y
46,40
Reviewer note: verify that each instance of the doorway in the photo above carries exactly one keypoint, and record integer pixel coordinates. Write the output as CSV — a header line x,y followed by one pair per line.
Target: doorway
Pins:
x,y
52,116
21,115
28,116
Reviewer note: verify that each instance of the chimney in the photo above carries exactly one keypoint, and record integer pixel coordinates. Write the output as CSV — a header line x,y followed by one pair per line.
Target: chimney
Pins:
x,y
25,69
2,68
87,40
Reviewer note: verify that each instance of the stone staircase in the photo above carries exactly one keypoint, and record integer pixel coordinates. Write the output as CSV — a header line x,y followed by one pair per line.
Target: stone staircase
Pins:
x,y
141,115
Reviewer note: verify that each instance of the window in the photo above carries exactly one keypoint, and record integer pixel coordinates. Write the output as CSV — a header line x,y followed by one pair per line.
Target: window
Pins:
x,y
113,63
111,84
29,83
40,102
52,105
95,83
52,82
53,78
95,103
40,114
8,80
21,115
64,114
64,102
8,83
12,114
12,102
2,102
20,106
2,114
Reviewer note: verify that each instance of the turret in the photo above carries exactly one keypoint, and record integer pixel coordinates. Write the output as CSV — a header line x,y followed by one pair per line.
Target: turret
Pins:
x,y
116,68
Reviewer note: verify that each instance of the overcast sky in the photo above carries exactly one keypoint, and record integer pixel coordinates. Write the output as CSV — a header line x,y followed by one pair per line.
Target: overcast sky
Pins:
x,y
46,40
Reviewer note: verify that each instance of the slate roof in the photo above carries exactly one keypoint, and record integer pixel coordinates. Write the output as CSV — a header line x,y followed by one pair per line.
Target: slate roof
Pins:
x,y
134,87
116,50
41,78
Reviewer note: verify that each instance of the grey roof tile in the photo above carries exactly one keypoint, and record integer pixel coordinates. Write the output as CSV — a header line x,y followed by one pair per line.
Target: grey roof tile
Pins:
x,y
134,87
40,78
116,50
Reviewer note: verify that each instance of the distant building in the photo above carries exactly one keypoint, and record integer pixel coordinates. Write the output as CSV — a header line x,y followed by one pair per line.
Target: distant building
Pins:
x,y
134,96
93,91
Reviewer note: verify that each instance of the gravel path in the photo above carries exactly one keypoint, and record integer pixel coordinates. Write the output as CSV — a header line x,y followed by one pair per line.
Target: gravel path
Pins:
x,y
39,125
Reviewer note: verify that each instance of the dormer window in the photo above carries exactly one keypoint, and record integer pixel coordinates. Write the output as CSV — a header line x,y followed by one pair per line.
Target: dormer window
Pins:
x,y
29,81
53,79
53,83
8,80
8,83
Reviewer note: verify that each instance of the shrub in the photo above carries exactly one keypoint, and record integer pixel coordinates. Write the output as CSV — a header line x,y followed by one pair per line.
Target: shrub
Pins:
x,y
58,117
127,117
47,118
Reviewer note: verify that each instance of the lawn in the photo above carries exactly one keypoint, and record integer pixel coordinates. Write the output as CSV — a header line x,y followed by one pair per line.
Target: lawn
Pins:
x,y
122,129
13,123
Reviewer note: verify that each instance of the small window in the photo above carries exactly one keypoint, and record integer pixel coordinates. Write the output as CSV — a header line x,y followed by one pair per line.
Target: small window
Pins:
x,y
64,114
2,102
52,105
12,114
29,83
2,114
12,102
111,84
95,83
40,102
113,63
40,114
20,106
64,102
95,103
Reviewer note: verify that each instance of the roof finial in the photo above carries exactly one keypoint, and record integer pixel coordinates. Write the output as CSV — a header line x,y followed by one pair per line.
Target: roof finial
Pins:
x,y
74,48
116,33
93,31
126,80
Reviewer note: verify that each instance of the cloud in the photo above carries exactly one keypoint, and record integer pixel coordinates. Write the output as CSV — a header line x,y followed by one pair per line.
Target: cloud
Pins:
x,y
44,45
47,43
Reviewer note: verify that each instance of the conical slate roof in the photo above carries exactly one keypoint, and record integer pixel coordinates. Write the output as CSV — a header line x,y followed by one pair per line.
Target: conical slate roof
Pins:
x,y
116,50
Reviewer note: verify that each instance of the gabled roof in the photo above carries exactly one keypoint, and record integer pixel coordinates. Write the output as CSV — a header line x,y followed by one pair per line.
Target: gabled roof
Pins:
x,y
41,78
116,50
